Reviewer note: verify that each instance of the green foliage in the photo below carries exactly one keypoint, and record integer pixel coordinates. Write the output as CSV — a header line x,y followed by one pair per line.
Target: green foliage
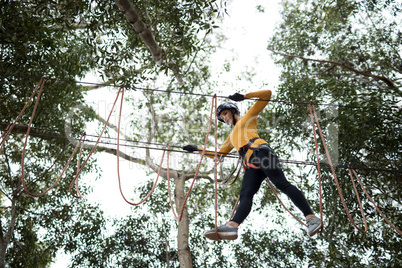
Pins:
x,y
351,33
37,40
64,40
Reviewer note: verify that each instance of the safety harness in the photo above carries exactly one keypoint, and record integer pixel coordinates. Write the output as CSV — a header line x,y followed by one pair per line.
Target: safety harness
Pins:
x,y
243,150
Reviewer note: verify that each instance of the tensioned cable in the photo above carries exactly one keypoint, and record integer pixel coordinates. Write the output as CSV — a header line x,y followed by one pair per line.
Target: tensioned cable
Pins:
x,y
230,155
215,103
318,169
224,97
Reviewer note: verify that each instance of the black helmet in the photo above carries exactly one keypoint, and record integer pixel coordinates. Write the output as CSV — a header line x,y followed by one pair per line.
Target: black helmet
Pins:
x,y
227,106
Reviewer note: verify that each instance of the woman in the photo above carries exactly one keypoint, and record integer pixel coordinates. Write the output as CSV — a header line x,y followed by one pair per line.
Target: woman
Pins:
x,y
261,162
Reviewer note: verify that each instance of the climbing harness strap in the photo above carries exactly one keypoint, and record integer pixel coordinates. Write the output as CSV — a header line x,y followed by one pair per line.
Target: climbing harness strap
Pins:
x,y
243,151
251,165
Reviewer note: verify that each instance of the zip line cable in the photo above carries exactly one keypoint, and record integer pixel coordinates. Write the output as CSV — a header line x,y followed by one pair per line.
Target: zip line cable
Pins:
x,y
230,155
224,97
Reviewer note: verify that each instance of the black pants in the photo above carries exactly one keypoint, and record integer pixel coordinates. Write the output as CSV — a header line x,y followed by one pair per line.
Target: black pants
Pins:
x,y
265,158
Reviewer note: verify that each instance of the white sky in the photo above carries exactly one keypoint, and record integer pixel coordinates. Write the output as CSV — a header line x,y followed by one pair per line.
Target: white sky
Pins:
x,y
248,32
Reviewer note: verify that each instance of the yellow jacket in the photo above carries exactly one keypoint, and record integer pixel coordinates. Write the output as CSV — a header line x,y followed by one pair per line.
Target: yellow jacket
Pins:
x,y
246,128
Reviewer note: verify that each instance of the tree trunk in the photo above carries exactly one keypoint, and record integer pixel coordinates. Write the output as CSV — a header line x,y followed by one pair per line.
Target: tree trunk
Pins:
x,y
147,36
343,65
183,248
2,255
3,248
127,8
6,237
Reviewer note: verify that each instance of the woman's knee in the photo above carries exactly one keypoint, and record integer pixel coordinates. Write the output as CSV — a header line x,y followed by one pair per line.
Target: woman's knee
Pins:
x,y
247,193
286,188
279,180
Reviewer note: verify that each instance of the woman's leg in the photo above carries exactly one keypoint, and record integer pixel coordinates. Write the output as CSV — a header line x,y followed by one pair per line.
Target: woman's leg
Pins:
x,y
251,183
266,159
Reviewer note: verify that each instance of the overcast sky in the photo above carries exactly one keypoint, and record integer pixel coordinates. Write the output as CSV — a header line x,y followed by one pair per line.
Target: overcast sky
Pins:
x,y
247,31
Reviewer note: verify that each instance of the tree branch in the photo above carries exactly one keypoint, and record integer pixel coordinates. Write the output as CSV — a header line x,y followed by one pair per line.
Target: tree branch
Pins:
x,y
147,36
343,65
108,150
127,8
152,130
36,213
1,235
121,154
19,128
199,176
9,174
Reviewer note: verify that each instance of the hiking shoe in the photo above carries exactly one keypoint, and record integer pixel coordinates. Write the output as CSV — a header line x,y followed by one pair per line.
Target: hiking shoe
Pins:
x,y
314,225
226,232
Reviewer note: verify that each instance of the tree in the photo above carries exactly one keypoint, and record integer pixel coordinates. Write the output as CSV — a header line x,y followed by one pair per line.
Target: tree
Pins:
x,y
328,57
64,40
33,46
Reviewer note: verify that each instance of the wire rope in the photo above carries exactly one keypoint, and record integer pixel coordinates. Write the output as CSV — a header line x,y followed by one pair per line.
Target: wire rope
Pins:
x,y
230,155
225,97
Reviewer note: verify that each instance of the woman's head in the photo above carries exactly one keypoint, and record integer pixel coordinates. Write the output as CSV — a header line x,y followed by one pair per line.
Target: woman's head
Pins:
x,y
226,112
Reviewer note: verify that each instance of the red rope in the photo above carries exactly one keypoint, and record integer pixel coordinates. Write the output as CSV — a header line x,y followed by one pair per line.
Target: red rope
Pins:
x,y
78,196
280,201
118,161
361,208
372,201
153,187
41,83
199,164
318,166
215,102
100,136
234,208
169,191
10,128
312,110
